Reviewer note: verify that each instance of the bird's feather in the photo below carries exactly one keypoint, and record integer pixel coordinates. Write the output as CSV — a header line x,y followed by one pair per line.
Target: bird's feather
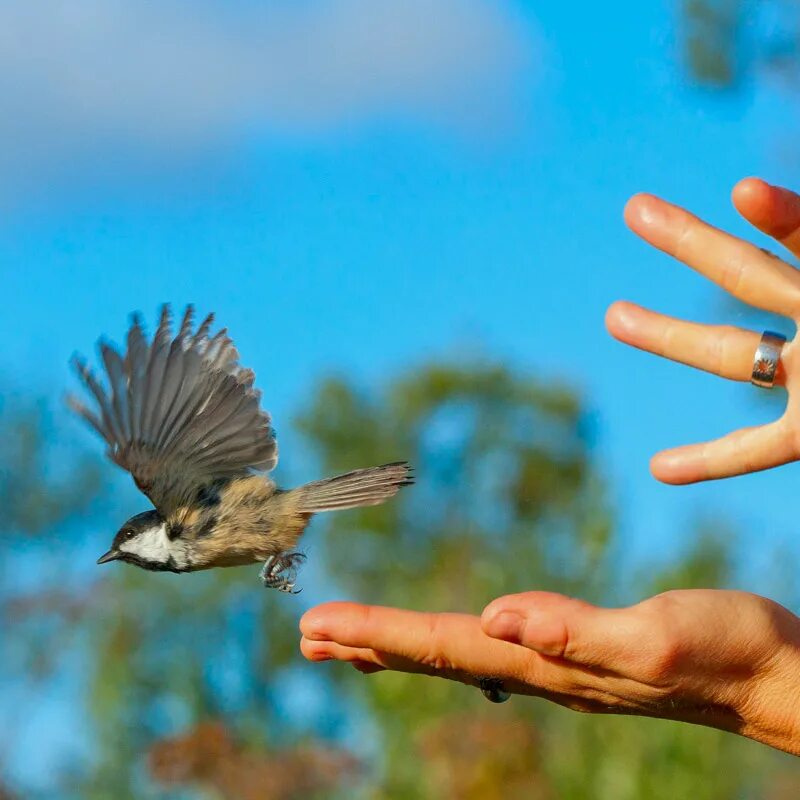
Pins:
x,y
361,487
180,412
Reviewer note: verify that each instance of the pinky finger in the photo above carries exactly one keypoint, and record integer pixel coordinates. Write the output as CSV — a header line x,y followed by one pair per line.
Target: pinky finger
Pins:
x,y
743,451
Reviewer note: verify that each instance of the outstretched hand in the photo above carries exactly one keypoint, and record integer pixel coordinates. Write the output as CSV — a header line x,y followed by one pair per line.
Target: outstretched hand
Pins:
x,y
723,659
719,658
752,275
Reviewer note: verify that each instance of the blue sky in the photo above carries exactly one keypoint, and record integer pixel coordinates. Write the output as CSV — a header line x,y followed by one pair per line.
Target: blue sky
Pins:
x,y
352,190
358,185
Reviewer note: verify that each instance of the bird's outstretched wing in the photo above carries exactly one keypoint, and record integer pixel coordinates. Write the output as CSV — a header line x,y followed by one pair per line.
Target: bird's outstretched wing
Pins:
x,y
180,413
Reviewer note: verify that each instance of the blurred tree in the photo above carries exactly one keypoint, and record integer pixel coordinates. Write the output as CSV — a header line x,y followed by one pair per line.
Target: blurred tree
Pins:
x,y
194,682
34,501
710,41
154,651
209,757
508,500
726,45
727,42
38,496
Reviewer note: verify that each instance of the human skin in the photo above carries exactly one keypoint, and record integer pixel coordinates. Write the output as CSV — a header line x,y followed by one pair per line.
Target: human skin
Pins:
x,y
752,275
724,659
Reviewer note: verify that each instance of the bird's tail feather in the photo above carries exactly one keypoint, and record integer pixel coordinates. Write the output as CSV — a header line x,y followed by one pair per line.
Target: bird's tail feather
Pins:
x,y
362,487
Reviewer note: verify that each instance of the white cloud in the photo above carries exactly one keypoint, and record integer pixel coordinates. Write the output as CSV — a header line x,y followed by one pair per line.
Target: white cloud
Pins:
x,y
89,79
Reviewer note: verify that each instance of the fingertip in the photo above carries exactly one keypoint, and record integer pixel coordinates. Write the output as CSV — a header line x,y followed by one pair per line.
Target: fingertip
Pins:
x,y
620,319
317,622
753,198
671,467
661,467
497,605
532,619
513,602
748,188
312,623
643,210
314,651
635,202
772,209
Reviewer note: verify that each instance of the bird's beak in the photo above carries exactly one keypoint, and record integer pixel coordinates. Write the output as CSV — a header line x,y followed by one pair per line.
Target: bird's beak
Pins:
x,y
111,555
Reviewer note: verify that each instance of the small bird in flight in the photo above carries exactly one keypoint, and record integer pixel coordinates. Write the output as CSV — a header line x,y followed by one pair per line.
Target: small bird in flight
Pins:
x,y
183,418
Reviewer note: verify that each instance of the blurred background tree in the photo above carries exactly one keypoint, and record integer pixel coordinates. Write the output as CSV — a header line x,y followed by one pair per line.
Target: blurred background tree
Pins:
x,y
509,499
730,42
193,687
727,46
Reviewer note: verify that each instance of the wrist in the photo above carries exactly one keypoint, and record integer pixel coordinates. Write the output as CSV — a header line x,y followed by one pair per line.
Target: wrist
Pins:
x,y
770,712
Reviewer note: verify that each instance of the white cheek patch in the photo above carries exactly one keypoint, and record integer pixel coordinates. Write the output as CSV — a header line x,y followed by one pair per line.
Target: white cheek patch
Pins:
x,y
151,545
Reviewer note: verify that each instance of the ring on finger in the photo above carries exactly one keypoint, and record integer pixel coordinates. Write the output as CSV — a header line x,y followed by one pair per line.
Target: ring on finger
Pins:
x,y
766,359
493,690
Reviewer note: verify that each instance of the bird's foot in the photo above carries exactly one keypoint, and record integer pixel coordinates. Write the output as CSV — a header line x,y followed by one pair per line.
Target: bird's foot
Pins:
x,y
280,572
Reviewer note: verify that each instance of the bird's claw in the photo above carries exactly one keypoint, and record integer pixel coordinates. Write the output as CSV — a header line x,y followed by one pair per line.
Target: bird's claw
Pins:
x,y
280,572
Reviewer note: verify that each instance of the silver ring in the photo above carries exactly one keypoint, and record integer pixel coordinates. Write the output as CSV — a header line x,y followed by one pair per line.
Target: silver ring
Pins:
x,y
493,690
766,359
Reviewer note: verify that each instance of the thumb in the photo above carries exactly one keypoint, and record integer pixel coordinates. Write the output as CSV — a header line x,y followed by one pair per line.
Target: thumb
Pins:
x,y
560,627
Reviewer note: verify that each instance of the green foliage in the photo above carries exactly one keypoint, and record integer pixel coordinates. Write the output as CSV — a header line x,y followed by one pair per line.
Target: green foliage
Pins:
x,y
709,563
508,498
33,502
710,42
37,498
498,457
725,42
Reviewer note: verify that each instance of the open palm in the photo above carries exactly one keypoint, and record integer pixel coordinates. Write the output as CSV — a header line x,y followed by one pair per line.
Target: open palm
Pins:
x,y
750,274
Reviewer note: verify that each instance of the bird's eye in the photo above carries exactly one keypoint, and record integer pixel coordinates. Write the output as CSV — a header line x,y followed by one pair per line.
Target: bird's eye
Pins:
x,y
129,533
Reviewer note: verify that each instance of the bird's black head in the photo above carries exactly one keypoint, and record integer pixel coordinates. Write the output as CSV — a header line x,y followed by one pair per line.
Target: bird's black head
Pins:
x,y
142,541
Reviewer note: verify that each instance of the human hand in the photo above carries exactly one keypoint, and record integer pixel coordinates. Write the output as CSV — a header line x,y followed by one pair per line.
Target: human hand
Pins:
x,y
752,275
723,659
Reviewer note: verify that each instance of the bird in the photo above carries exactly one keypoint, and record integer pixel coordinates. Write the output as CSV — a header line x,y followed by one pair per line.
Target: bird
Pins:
x,y
185,420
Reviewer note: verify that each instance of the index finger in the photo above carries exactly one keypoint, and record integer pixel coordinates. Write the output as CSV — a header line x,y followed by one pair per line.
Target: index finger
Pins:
x,y
741,268
450,644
